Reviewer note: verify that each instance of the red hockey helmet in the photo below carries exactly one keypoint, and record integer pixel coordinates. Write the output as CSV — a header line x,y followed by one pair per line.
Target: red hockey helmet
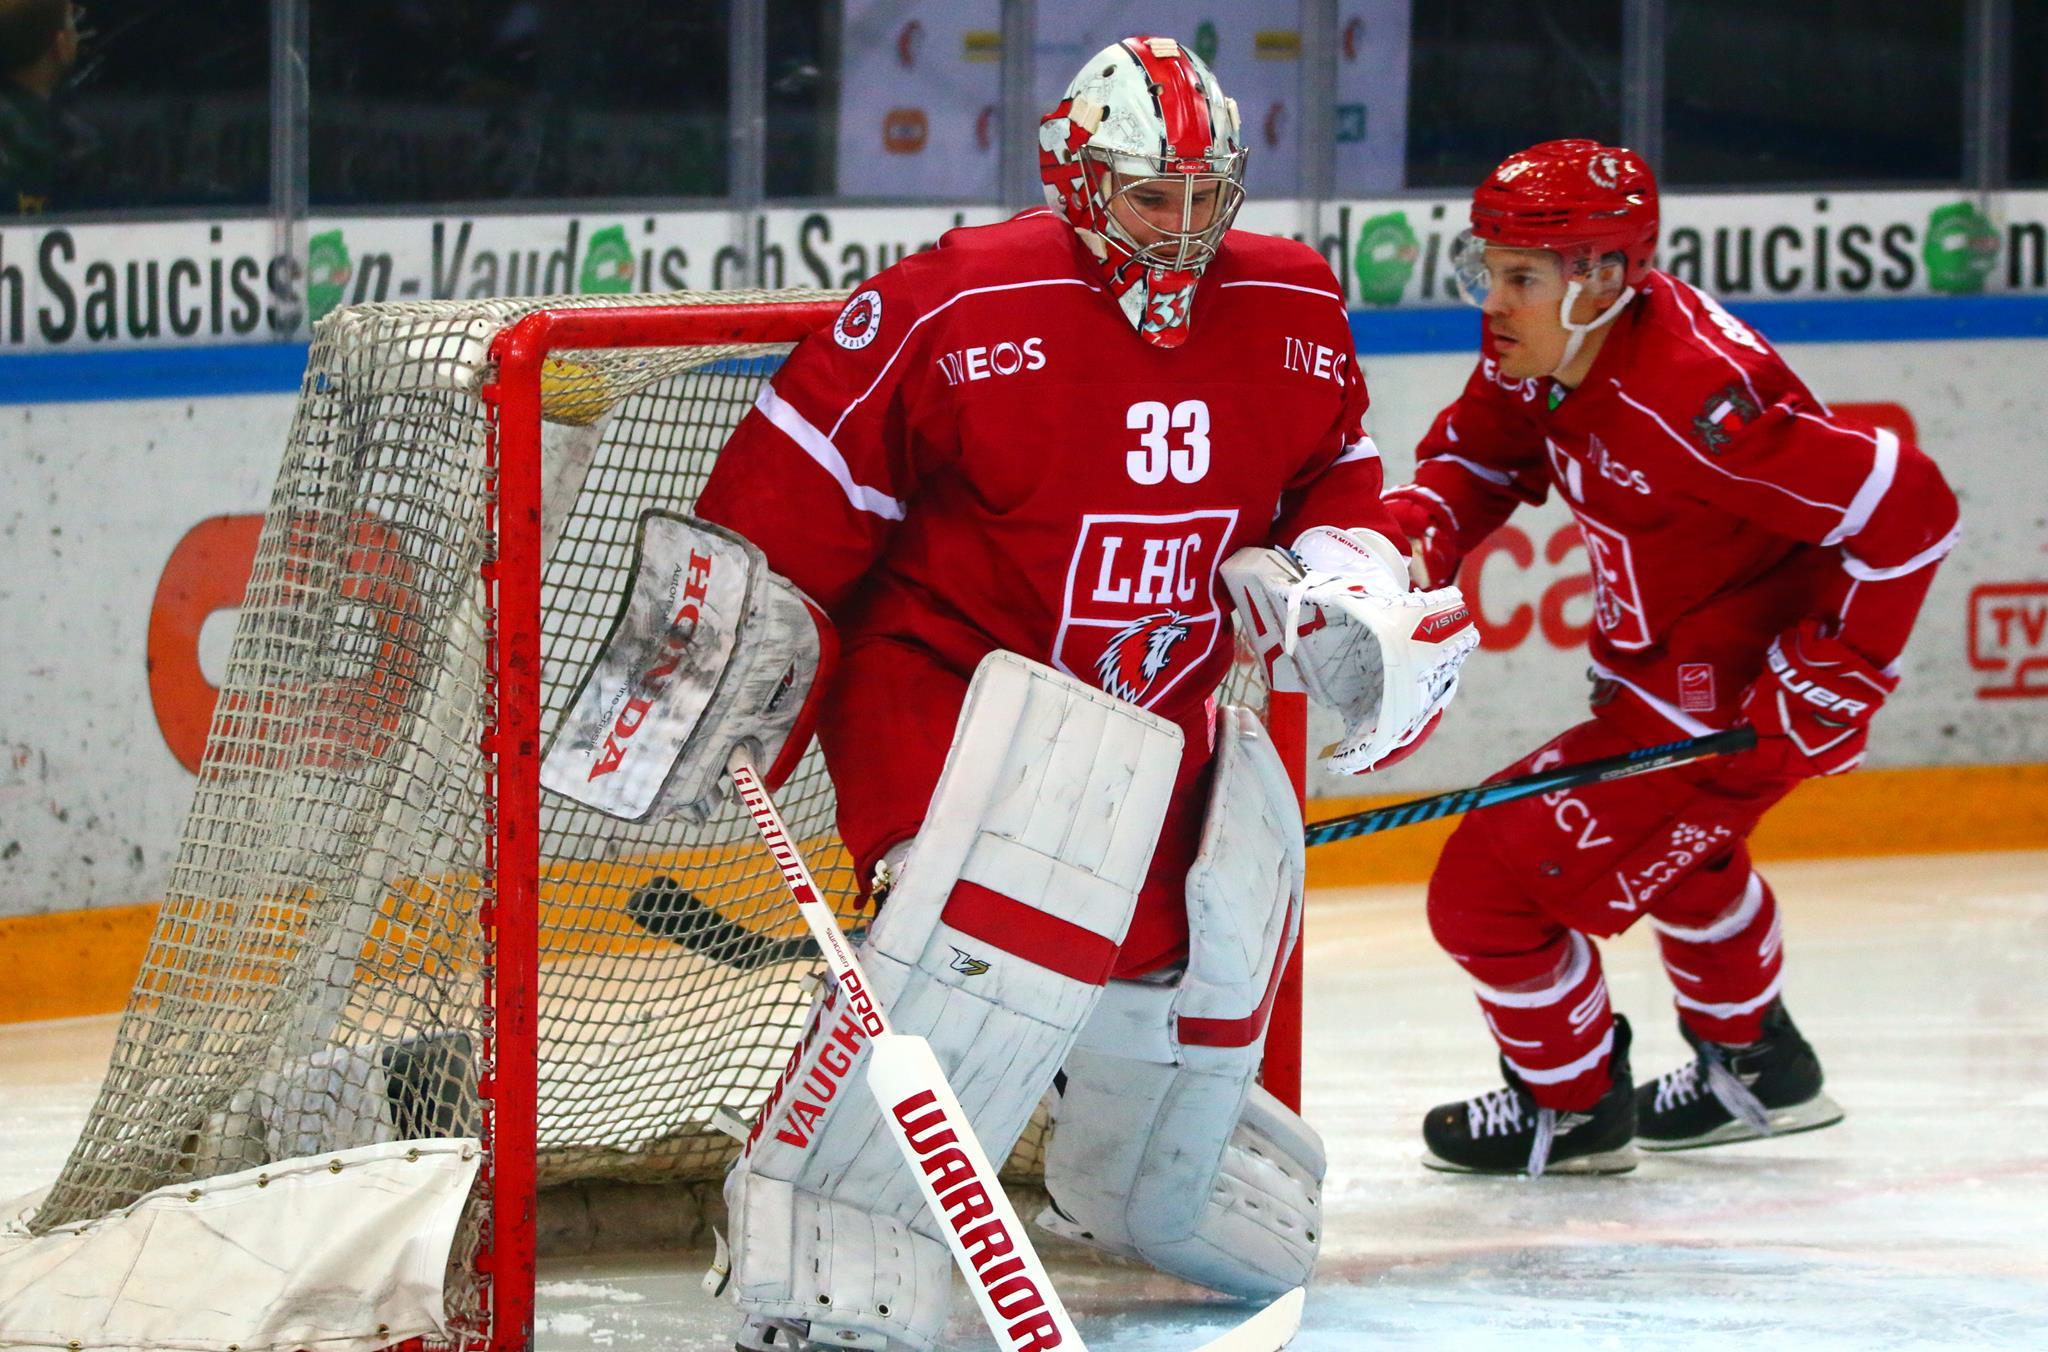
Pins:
x,y
1577,198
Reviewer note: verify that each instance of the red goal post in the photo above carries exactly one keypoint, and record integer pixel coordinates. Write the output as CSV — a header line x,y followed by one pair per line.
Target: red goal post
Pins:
x,y
515,401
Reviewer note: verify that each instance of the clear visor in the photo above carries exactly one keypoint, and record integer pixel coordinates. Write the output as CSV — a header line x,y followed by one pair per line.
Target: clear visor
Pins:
x,y
1468,266
1165,217
1475,283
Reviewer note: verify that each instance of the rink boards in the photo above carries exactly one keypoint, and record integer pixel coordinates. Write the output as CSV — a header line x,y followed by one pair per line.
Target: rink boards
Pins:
x,y
134,479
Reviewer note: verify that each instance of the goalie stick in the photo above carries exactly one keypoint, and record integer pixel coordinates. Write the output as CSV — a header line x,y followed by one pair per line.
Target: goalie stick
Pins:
x,y
1015,1294
1638,762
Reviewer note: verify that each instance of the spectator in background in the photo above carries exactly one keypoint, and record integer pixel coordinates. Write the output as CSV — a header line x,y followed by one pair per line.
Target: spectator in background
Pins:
x,y
40,144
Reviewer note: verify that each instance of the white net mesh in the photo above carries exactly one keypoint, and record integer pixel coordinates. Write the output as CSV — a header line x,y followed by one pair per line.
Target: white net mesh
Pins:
x,y
315,978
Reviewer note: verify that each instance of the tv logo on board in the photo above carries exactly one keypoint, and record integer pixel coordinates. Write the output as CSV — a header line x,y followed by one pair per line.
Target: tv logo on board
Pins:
x,y
2009,639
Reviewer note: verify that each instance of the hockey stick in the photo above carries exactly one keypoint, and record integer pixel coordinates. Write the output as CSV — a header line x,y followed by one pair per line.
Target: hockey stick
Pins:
x,y
1637,762
665,909
1009,1281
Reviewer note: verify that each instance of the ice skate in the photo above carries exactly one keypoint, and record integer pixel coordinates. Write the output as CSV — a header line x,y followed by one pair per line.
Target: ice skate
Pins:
x,y
1770,1087
1505,1131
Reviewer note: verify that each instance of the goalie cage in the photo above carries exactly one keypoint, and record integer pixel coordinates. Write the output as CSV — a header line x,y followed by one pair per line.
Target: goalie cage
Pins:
x,y
393,991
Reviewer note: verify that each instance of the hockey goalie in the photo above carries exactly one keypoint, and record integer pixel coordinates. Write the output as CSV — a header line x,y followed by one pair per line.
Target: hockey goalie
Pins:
x,y
1067,439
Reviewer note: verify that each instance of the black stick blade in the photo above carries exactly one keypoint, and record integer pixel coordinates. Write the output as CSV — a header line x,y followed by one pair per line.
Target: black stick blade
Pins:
x,y
667,910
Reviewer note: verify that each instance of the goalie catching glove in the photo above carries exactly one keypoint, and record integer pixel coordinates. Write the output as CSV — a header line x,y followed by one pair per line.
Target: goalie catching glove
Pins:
x,y
1339,608
712,652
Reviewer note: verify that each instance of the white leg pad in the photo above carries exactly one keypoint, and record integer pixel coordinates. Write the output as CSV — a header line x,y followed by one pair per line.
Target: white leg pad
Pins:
x,y
1244,897
1162,1148
994,944
860,1279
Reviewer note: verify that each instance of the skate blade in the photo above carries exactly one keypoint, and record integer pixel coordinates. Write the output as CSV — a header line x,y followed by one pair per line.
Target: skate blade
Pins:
x,y
1817,1112
1603,1162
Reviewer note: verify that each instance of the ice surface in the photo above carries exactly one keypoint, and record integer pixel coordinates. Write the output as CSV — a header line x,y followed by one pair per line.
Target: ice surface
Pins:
x,y
1922,1221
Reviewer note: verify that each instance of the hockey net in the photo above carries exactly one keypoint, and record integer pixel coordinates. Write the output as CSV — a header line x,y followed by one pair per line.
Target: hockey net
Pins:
x,y
378,930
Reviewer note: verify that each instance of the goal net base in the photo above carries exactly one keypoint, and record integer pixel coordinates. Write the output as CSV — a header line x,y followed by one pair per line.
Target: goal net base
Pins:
x,y
347,1252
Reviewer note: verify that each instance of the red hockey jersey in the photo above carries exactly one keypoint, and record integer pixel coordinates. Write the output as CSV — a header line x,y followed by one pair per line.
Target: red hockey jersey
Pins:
x,y
1719,500
981,453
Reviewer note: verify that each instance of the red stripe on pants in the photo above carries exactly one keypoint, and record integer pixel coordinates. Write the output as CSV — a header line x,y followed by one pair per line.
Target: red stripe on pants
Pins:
x,y
1242,1032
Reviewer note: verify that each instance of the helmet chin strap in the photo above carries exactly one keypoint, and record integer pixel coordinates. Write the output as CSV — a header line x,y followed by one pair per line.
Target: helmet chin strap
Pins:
x,y
1578,332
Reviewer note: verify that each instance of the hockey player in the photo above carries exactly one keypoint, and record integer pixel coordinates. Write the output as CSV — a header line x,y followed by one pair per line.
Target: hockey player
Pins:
x,y
1755,558
1045,438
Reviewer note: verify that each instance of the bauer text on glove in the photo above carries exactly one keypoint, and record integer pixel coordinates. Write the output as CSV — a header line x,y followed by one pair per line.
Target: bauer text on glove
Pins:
x,y
1813,703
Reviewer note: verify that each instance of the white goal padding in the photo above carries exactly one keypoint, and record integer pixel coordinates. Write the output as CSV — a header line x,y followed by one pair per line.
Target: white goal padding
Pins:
x,y
344,1252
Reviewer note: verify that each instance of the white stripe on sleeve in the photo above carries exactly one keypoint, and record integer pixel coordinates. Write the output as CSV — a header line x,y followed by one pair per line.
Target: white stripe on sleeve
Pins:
x,y
1361,449
1436,498
1473,467
819,447
1934,553
1693,451
1883,466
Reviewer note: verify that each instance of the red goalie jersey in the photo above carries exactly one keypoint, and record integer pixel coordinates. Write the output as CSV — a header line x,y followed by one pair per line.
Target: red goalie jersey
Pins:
x,y
982,453
1721,502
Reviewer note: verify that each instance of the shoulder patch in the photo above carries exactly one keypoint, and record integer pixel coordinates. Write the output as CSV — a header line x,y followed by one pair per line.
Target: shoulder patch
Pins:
x,y
859,322
1727,411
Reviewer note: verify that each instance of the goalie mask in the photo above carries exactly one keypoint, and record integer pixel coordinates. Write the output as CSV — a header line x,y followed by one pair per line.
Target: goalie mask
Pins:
x,y
1143,158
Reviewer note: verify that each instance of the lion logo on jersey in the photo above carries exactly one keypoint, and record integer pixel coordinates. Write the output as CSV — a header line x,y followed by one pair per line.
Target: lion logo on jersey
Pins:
x,y
1136,654
859,322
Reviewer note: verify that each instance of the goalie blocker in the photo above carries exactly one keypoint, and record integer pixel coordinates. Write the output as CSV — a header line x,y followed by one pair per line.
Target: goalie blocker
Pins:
x,y
712,652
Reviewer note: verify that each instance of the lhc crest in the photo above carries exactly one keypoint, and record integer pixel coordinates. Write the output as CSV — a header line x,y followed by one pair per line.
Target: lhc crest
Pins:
x,y
859,322
1136,654
1140,610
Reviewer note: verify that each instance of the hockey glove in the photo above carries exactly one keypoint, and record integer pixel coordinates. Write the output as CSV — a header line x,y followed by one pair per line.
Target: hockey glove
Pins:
x,y
1362,644
713,651
1813,703
1427,524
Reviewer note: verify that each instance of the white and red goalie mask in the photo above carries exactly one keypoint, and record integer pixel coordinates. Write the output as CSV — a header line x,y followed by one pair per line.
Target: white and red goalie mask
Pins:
x,y
1143,158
